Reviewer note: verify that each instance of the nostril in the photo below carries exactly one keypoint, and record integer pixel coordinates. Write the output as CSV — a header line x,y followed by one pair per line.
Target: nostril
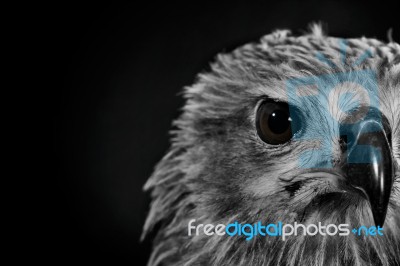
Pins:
x,y
343,143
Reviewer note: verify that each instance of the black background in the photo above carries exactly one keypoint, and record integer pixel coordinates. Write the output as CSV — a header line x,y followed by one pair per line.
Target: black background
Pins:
x,y
119,70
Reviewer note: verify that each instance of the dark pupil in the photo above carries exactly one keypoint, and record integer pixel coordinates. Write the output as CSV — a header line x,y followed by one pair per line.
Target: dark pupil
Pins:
x,y
278,122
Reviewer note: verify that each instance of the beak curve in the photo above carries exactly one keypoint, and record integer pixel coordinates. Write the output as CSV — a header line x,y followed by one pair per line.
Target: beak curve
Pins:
x,y
369,167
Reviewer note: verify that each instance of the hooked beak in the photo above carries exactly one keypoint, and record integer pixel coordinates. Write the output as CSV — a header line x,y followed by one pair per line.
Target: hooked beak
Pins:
x,y
369,167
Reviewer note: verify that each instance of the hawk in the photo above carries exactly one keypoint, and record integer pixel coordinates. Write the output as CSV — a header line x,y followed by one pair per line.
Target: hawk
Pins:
x,y
293,129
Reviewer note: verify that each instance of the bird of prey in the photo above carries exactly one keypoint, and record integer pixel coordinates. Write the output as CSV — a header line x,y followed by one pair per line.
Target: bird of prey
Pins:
x,y
294,129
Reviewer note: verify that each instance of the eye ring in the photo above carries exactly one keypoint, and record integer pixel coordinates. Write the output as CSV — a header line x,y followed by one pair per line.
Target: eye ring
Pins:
x,y
274,122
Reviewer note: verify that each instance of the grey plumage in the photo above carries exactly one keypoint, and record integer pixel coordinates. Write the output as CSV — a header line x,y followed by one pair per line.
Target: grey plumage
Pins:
x,y
218,170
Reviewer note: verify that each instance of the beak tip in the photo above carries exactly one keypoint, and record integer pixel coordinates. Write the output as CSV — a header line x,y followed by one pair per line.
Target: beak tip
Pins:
x,y
379,218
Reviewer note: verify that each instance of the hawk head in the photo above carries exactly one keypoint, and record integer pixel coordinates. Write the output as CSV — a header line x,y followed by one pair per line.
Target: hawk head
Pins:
x,y
295,129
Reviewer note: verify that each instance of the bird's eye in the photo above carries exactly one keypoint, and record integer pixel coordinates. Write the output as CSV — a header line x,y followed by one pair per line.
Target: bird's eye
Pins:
x,y
273,122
